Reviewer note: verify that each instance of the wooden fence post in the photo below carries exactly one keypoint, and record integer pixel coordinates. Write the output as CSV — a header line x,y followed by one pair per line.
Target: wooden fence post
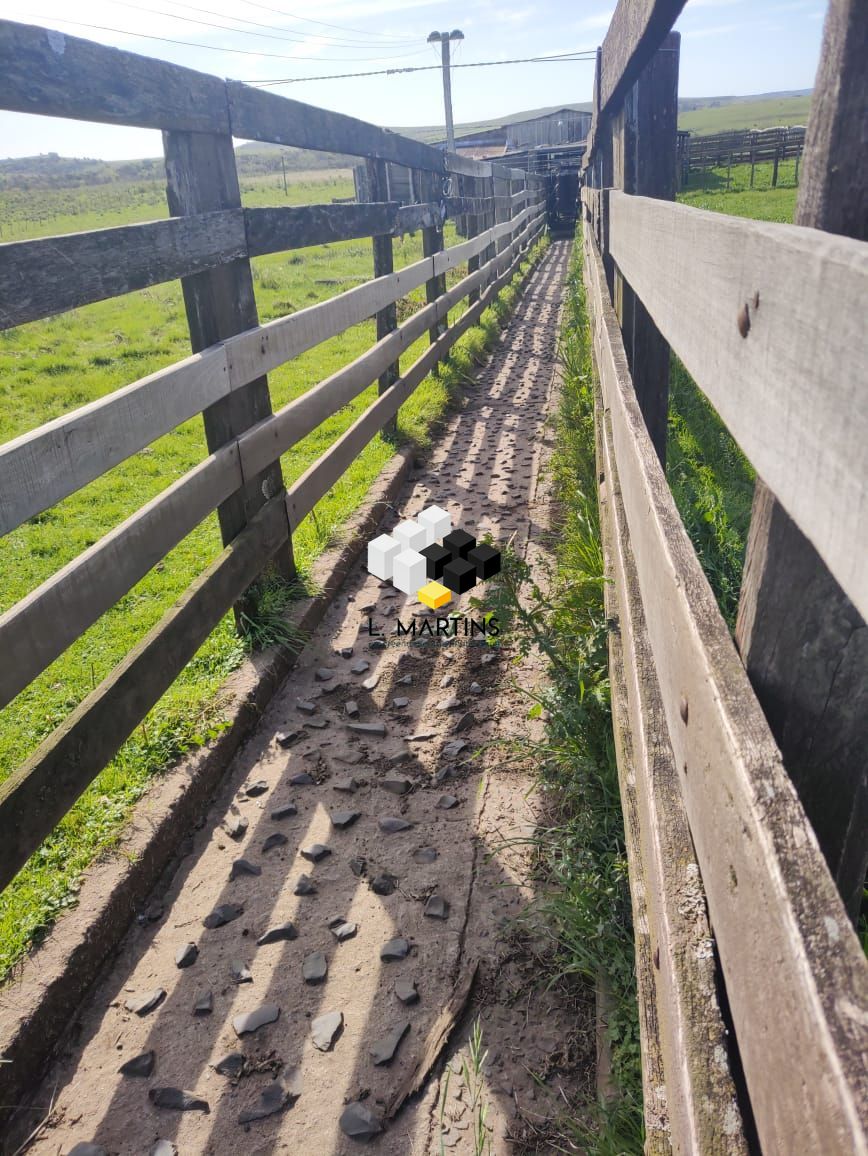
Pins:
x,y
387,318
473,229
803,642
645,162
201,177
432,242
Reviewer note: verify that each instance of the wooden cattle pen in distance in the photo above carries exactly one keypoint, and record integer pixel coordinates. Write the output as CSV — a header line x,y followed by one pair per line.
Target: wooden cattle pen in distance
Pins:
x,y
741,761
208,242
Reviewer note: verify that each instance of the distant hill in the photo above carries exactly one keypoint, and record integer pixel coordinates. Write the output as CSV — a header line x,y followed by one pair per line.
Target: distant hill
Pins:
x,y
703,114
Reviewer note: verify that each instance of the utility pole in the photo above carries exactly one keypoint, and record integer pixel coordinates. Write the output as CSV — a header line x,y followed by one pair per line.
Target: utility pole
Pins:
x,y
444,38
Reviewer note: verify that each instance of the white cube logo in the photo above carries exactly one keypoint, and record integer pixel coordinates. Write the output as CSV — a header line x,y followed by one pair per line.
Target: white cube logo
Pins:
x,y
381,555
408,571
437,522
411,535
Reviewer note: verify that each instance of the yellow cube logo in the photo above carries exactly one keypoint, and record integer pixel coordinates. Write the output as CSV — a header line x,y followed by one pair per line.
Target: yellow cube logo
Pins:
x,y
434,595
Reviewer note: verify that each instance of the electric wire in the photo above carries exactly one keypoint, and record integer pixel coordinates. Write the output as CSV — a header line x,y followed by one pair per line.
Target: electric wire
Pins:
x,y
271,33
580,57
213,47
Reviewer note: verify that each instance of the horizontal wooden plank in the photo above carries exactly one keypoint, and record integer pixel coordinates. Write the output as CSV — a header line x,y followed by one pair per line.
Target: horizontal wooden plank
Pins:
x,y
265,442
792,389
44,466
796,978
318,479
41,626
261,350
274,230
52,274
409,218
50,73
264,116
35,797
697,1099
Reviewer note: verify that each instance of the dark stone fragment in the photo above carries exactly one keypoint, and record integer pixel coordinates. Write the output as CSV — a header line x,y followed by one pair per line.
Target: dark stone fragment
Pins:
x,y
143,1004
235,824
86,1148
276,839
252,1021
178,1100
377,644
344,819
384,884
274,1098
252,790
400,702
358,867
304,886
400,757
318,724
306,707
279,934
360,666
302,779
325,1030
324,674
447,802
374,730
343,930
204,1004
284,812
451,703
141,1065
465,723
222,915
315,967
383,1051
437,908
425,855
395,949
405,990
244,867
315,852
346,652
391,824
351,709
396,786
346,786
186,955
231,1065
359,1122
240,972
286,739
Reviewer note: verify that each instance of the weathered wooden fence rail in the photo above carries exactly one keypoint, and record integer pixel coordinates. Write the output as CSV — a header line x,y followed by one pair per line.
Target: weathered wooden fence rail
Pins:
x,y
208,243
730,851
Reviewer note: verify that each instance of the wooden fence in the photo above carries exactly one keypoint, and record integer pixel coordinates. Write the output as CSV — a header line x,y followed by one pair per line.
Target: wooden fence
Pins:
x,y
208,243
744,147
753,986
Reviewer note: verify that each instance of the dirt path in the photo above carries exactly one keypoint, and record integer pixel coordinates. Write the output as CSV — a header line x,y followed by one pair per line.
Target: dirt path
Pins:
x,y
485,471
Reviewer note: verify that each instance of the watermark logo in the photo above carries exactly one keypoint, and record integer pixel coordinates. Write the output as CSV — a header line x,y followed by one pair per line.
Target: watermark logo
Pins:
x,y
427,558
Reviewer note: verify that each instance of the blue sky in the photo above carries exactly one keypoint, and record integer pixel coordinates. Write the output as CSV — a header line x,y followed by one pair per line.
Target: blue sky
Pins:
x,y
729,47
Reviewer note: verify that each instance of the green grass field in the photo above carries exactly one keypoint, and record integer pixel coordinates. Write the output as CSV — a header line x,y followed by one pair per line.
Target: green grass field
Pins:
x,y
50,367
763,112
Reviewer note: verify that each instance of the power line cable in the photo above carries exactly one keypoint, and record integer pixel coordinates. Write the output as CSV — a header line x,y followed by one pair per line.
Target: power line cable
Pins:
x,y
310,20
210,47
271,34
581,57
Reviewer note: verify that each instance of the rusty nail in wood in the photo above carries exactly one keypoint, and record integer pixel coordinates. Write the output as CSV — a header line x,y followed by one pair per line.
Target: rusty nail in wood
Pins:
x,y
755,301
744,320
683,709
